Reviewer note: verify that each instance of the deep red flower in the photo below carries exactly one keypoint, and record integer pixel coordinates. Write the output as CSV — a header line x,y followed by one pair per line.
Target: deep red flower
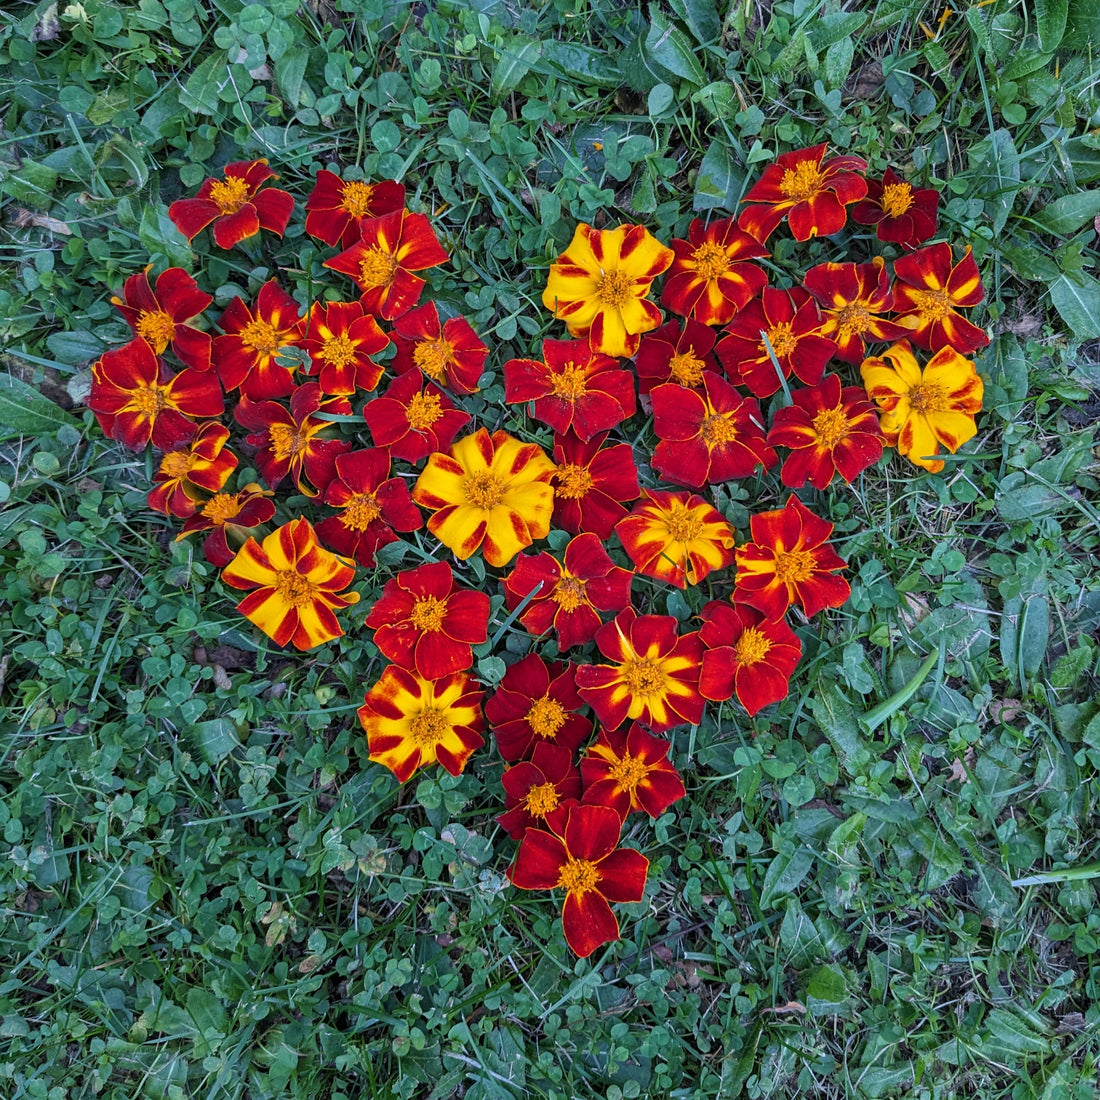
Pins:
x,y
188,472
238,204
341,339
448,353
630,771
679,353
900,213
537,787
592,485
336,208
229,519
413,420
160,318
245,356
929,291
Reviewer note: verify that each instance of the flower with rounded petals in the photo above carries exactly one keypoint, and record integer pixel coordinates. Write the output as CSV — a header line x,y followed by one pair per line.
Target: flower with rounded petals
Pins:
x,y
901,214
630,771
413,419
535,788
336,208
188,472
160,317
679,353
591,485
238,204
228,519
246,356
929,290
340,339
447,353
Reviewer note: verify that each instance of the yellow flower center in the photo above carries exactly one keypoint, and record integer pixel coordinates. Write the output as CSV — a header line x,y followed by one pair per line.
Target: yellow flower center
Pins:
x,y
614,288
178,464
717,429
360,512
896,199
148,400
221,507
710,260
682,523
686,369
483,490
424,410
355,198
541,800
286,442
579,876
295,589
643,677
546,717
803,181
570,384
929,397
794,566
752,647
337,350
428,727
573,481
433,357
427,614
629,772
376,268
261,336
933,305
569,593
156,328
830,427
852,320
229,194
782,340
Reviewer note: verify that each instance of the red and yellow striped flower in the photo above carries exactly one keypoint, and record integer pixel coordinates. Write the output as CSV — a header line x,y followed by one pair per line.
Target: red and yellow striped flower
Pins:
x,y
630,771
591,485
187,473
336,208
536,788
901,214
245,357
341,338
447,353
161,317
412,419
929,291
228,519
238,204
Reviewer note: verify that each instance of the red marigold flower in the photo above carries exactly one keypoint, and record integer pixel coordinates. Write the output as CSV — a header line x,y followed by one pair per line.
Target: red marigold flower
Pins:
x,y
590,485
137,401
228,518
709,279
654,677
381,262
424,620
900,213
571,592
537,787
238,204
853,298
411,722
341,339
299,585
789,561
336,208
675,537
447,353
630,771
930,288
676,353
708,435
185,473
792,323
747,655
810,191
586,862
160,318
289,442
413,421
829,431
245,356
372,506
536,703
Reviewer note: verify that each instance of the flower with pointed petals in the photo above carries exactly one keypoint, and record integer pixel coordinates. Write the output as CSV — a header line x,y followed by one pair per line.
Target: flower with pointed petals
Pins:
x,y
411,722
789,561
228,519
900,213
297,585
537,787
161,317
238,204
599,285
336,208
630,771
340,339
245,357
586,862
447,353
425,621
412,419
679,353
188,472
929,290
590,485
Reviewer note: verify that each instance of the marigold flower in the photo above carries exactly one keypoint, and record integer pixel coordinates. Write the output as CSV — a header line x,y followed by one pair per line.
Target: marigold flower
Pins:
x,y
137,401
200,466
160,317
586,862
245,357
747,655
590,484
340,339
571,593
630,771
298,585
489,491
789,561
806,188
425,621
535,788
228,518
654,677
446,353
536,703
675,537
599,284
391,247
709,279
924,410
411,722
676,353
413,420
929,290
707,435
373,506
900,213
336,208
829,431
238,204
575,388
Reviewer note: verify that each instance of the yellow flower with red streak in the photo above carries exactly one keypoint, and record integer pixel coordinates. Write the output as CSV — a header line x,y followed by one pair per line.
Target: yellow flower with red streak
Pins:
x,y
630,771
598,286
298,585
929,291
490,491
336,208
160,317
188,472
924,410
245,356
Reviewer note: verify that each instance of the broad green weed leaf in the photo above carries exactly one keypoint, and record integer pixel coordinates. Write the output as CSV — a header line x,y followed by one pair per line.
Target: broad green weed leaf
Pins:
x,y
201,91
584,63
1069,213
670,47
25,411
513,64
290,71
995,169
215,739
717,185
701,18
1077,300
1050,22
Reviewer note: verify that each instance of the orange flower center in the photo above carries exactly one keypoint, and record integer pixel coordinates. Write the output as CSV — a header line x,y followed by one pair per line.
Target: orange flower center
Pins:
x,y
261,336
546,717
573,481
569,593
578,876
338,350
483,490
295,589
221,507
355,198
643,677
782,340
794,566
156,328
427,614
682,523
541,800
433,357
933,305
424,410
229,194
360,512
896,199
178,464
376,268
929,397
614,289
752,647
830,427
286,442
803,181
852,320
717,429
570,384
686,369
148,400
710,260
428,727
629,772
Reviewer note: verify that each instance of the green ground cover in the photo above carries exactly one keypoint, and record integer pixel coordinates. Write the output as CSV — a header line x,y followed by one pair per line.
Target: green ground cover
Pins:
x,y
208,891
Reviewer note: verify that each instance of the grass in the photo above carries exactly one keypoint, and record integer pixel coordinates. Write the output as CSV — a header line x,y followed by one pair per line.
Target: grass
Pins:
x,y
884,887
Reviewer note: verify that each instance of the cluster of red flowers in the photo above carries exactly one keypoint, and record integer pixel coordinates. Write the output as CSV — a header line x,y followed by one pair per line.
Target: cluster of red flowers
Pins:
x,y
302,375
